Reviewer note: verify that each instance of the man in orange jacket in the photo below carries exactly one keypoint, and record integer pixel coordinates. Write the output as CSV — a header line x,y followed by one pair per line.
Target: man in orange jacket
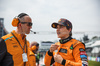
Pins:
x,y
71,52
34,48
14,48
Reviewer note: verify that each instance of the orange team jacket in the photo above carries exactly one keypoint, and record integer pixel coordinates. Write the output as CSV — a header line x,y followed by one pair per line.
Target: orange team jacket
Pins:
x,y
11,52
72,52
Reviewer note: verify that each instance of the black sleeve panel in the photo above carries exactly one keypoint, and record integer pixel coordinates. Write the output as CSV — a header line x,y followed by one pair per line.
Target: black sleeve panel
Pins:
x,y
63,62
3,49
5,57
7,60
52,61
51,54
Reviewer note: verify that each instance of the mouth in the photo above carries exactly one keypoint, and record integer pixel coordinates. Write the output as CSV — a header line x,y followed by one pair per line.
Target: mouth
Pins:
x,y
29,30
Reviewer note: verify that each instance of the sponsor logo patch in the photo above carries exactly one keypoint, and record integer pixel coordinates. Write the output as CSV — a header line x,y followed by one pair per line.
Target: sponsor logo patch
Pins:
x,y
81,49
10,39
84,63
83,53
83,56
14,43
84,59
15,46
63,50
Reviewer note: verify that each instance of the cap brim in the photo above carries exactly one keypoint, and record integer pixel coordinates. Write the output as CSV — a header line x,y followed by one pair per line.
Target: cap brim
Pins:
x,y
54,25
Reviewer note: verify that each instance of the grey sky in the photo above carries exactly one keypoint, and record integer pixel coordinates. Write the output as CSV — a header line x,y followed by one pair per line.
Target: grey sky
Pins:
x,y
84,14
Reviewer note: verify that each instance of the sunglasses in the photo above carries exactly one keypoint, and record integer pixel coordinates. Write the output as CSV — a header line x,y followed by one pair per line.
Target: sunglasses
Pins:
x,y
28,23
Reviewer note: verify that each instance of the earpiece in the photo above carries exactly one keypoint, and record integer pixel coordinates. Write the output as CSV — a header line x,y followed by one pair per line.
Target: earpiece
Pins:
x,y
16,20
33,48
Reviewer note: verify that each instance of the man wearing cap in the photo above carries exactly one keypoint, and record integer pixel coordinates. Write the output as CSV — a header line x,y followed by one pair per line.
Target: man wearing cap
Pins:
x,y
71,52
14,47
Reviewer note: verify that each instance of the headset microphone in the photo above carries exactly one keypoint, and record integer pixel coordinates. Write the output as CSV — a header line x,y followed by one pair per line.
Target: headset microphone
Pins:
x,y
33,32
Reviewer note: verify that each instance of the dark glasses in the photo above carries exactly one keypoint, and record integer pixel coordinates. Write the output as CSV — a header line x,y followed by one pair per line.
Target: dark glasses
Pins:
x,y
28,23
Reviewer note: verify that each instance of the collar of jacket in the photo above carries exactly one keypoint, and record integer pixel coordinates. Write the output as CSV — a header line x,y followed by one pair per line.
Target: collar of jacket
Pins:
x,y
31,53
18,35
65,40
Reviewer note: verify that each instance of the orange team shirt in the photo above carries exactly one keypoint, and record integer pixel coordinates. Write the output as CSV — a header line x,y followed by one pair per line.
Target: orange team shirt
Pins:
x,y
73,52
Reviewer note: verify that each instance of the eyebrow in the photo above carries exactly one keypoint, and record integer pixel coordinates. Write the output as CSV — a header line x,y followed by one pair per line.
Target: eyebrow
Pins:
x,y
61,25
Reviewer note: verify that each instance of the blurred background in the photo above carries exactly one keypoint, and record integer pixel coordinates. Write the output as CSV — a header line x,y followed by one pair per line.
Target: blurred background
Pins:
x,y
84,15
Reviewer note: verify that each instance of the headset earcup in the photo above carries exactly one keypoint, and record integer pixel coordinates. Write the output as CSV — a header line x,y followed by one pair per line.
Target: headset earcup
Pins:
x,y
15,22
33,48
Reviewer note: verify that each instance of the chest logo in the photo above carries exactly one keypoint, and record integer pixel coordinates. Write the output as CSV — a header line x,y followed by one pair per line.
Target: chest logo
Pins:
x,y
15,46
63,50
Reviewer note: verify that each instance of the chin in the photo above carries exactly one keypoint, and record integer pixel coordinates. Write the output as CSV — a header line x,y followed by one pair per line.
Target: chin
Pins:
x,y
28,32
59,36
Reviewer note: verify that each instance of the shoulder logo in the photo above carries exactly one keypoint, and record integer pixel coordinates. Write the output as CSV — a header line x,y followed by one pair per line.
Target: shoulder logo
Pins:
x,y
8,38
71,46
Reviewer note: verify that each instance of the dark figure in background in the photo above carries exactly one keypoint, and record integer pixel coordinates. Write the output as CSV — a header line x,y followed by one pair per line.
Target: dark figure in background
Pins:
x,y
38,58
34,47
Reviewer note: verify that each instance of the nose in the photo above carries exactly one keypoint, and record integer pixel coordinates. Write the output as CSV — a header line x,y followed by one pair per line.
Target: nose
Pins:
x,y
57,30
30,27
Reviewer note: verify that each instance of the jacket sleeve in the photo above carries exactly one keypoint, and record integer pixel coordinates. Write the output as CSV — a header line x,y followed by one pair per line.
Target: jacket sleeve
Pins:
x,y
48,60
32,58
79,55
3,49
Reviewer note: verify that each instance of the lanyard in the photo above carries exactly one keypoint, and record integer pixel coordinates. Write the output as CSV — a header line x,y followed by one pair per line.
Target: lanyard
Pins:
x,y
20,44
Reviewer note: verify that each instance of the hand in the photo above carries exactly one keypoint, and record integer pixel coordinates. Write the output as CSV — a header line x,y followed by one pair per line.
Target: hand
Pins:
x,y
53,47
58,58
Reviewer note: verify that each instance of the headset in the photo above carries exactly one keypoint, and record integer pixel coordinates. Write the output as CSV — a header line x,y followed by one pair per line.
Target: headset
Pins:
x,y
35,47
16,20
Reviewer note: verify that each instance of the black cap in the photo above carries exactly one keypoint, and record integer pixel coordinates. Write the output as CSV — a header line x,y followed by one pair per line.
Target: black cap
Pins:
x,y
63,22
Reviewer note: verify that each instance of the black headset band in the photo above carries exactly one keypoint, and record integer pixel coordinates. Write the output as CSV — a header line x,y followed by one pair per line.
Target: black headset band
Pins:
x,y
22,15
37,44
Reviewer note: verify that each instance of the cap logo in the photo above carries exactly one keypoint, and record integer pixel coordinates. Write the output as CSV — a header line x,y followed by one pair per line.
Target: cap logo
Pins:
x,y
67,24
59,20
53,26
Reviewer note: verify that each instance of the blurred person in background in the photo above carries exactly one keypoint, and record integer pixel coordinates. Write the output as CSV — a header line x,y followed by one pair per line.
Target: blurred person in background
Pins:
x,y
34,48
70,52
38,58
14,47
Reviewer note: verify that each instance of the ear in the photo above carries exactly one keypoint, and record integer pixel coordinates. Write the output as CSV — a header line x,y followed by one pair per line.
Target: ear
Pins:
x,y
19,24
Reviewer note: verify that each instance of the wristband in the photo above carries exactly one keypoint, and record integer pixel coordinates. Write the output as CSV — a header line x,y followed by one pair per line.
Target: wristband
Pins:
x,y
63,62
50,53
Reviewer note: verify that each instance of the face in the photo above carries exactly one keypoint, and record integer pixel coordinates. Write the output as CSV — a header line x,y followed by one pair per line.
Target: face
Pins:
x,y
62,32
26,25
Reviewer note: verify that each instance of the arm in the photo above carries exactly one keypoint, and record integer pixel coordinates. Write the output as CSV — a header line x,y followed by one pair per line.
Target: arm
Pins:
x,y
3,49
48,60
32,58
